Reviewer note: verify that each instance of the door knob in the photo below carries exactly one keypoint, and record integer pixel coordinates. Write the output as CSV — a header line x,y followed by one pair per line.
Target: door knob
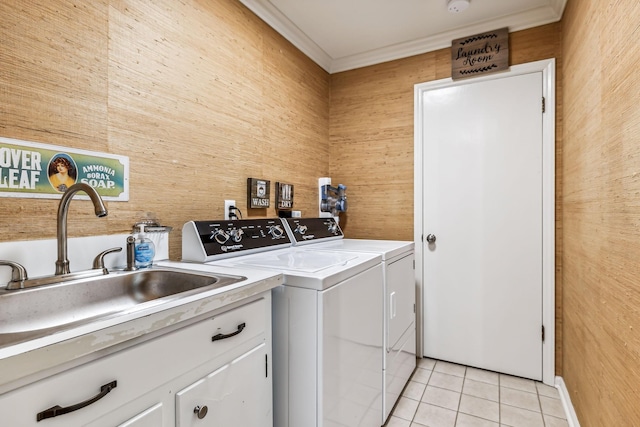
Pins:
x,y
431,238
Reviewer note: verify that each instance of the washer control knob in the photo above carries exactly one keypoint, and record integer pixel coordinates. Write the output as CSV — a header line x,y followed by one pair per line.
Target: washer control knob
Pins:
x,y
219,236
333,227
276,231
301,229
236,234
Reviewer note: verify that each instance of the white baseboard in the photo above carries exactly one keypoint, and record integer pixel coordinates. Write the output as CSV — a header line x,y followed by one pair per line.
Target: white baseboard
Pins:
x,y
572,418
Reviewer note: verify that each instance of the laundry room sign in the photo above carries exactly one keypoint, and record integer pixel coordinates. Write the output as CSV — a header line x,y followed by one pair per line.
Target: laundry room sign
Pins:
x,y
480,54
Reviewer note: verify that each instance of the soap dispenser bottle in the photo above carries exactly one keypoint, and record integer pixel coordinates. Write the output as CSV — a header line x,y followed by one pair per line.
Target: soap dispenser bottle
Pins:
x,y
144,249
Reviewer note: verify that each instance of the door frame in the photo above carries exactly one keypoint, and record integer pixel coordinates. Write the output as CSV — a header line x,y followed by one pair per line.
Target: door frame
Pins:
x,y
547,67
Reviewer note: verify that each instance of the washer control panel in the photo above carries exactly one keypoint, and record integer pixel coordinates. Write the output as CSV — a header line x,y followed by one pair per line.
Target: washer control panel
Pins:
x,y
209,240
308,230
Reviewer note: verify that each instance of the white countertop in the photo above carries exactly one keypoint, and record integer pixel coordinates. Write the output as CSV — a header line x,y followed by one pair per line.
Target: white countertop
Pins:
x,y
32,360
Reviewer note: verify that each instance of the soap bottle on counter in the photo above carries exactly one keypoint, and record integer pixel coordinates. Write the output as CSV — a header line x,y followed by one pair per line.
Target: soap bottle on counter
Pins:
x,y
144,249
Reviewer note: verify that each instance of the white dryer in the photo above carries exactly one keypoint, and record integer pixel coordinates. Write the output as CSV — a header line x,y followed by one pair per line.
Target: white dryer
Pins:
x,y
399,357
327,320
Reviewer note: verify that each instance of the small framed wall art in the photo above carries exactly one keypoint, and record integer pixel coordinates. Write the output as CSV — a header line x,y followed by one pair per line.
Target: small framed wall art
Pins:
x,y
258,196
284,196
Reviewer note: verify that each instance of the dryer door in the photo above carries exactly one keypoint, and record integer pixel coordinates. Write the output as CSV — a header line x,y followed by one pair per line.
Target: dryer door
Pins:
x,y
401,298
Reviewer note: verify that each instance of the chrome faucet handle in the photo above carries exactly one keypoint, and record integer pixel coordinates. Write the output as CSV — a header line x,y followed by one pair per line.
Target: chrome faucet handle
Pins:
x,y
18,274
98,261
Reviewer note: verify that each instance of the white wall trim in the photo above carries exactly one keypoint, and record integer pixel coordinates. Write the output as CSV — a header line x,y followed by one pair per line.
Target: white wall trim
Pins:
x,y
515,22
572,417
547,67
548,218
279,22
266,11
558,6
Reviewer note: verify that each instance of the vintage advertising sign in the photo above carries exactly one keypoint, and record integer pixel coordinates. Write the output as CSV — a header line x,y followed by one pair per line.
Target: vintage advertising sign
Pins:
x,y
258,193
35,170
480,54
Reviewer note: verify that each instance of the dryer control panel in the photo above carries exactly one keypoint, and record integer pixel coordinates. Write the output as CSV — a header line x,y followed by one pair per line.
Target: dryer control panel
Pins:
x,y
310,230
204,241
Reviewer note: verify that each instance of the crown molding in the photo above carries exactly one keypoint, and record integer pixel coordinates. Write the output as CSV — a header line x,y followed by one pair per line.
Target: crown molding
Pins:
x,y
515,22
279,22
558,7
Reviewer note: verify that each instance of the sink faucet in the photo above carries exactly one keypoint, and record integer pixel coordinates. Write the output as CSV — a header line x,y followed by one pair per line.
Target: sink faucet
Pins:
x,y
62,264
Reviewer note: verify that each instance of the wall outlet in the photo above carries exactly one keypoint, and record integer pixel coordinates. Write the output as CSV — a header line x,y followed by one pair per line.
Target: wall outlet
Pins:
x,y
227,205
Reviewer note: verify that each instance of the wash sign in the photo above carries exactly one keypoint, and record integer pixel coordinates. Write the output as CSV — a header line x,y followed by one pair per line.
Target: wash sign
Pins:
x,y
34,170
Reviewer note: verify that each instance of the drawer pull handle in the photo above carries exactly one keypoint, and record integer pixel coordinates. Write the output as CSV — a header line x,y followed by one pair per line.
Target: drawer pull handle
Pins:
x,y
232,334
54,411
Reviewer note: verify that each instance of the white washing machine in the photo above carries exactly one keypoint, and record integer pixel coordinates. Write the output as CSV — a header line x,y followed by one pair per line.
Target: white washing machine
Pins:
x,y
399,357
327,320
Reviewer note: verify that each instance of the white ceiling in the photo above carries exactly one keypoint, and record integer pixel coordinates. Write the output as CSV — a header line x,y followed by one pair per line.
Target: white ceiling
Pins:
x,y
341,35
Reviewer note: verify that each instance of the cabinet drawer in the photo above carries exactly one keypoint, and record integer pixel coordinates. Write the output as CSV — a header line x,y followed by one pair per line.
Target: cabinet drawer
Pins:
x,y
137,370
226,331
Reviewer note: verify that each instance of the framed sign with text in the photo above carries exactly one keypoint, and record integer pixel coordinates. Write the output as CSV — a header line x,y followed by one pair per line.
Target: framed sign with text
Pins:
x,y
480,54
258,193
34,170
284,196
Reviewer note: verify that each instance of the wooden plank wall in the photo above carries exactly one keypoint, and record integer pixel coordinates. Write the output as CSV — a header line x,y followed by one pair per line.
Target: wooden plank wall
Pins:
x,y
200,95
601,204
371,131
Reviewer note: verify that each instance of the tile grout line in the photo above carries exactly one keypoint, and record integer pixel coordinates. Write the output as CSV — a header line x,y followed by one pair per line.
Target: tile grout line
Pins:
x,y
544,423
464,380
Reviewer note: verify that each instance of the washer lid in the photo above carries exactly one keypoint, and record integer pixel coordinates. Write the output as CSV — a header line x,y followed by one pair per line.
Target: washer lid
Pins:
x,y
387,248
305,268
301,261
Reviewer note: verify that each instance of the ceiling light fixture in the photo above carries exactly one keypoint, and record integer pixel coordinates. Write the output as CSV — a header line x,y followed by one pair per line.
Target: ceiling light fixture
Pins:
x,y
456,6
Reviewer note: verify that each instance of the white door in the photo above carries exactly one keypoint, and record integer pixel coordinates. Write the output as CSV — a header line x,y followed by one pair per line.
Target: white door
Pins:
x,y
482,183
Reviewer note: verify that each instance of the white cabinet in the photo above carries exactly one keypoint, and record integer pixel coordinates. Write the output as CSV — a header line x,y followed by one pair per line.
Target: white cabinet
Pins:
x,y
236,394
228,351
152,417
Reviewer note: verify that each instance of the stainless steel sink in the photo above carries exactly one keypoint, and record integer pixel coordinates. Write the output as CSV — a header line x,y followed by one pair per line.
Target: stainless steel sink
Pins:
x,y
35,312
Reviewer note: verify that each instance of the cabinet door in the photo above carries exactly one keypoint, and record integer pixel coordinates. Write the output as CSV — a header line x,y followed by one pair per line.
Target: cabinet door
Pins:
x,y
152,417
236,394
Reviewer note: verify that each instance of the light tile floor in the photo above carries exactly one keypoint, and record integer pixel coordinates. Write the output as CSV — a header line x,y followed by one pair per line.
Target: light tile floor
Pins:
x,y
442,394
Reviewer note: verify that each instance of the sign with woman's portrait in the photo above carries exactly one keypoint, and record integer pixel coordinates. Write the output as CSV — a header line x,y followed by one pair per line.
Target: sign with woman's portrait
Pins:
x,y
62,172
35,170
